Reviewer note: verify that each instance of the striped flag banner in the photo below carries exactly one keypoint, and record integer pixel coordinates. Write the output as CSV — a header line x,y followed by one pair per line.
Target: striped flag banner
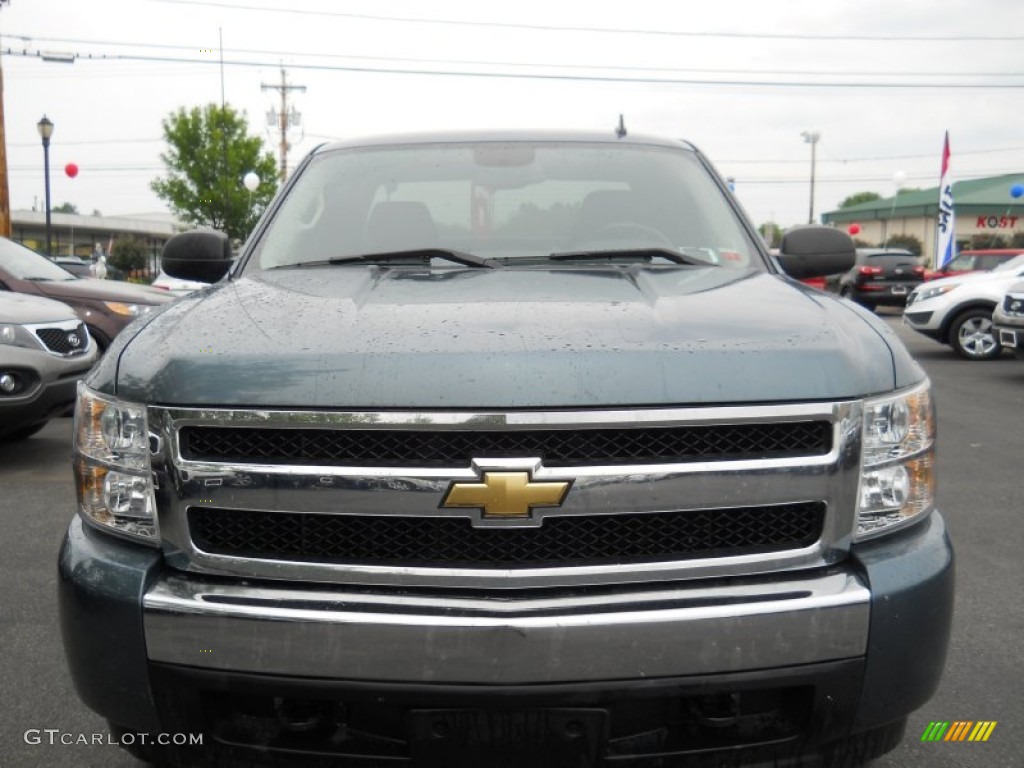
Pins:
x,y
945,231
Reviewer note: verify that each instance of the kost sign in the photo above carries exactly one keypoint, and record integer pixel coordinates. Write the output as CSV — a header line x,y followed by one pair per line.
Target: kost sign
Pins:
x,y
996,222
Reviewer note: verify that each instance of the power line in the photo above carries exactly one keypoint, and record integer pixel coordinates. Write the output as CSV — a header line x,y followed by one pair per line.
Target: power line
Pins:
x,y
844,160
603,30
543,77
88,141
481,62
932,178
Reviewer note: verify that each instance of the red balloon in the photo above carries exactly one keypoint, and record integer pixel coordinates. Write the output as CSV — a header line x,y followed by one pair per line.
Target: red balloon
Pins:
x,y
853,229
71,170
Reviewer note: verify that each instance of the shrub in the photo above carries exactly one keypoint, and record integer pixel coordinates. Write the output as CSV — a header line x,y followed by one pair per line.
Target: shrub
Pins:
x,y
128,255
908,242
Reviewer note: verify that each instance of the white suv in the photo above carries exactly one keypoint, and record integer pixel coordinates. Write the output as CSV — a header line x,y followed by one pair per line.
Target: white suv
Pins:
x,y
1008,319
958,310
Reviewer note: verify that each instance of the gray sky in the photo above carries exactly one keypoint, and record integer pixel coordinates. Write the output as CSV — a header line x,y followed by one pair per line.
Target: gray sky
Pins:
x,y
723,56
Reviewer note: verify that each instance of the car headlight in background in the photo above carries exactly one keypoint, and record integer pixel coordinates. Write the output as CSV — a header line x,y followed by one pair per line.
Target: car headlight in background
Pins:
x,y
1013,304
17,336
127,310
923,294
112,466
897,483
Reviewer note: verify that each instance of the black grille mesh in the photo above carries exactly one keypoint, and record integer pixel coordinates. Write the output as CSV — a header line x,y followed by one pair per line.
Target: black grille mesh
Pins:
x,y
64,342
556,447
426,541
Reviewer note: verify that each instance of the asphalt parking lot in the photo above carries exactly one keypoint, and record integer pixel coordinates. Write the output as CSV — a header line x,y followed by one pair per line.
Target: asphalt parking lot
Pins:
x,y
980,448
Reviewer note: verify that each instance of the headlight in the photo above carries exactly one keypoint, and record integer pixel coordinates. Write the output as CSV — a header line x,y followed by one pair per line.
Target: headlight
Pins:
x,y
897,482
923,294
17,336
1013,304
127,310
112,466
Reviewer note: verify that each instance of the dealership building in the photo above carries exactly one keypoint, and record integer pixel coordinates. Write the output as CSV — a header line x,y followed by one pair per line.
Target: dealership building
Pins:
x,y
982,207
73,234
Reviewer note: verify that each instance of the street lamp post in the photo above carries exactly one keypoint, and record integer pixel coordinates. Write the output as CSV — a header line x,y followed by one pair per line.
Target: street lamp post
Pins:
x,y
45,127
811,137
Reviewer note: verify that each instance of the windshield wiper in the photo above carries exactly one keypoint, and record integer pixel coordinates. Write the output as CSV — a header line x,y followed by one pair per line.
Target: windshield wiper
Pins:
x,y
423,254
635,254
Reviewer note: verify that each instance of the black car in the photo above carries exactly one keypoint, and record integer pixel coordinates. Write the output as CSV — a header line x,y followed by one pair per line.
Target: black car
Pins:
x,y
881,277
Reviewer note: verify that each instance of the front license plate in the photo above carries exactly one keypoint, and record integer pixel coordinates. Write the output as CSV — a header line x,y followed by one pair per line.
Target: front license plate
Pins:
x,y
472,738
1008,338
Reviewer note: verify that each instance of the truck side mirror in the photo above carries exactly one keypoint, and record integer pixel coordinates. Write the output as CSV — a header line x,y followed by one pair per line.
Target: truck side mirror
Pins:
x,y
200,254
816,251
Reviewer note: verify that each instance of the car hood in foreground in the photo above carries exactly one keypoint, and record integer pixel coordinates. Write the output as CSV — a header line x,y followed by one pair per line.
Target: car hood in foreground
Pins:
x,y
366,337
103,290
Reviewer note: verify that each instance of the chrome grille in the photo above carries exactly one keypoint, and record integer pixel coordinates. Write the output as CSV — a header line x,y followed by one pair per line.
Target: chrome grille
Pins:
x,y
657,494
555,447
64,341
439,541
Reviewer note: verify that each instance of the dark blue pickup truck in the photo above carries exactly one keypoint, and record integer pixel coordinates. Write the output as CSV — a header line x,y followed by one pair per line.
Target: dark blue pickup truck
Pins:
x,y
506,449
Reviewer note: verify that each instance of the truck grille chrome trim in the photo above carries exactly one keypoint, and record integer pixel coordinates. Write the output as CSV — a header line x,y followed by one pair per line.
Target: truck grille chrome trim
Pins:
x,y
555,447
442,541
335,522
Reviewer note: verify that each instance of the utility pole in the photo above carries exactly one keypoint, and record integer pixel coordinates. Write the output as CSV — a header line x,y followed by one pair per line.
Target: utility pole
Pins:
x,y
284,118
812,137
5,193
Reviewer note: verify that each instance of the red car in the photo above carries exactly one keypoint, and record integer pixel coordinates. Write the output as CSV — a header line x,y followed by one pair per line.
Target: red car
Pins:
x,y
974,261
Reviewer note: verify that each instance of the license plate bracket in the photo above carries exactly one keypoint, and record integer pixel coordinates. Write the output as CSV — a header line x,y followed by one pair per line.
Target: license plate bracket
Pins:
x,y
470,738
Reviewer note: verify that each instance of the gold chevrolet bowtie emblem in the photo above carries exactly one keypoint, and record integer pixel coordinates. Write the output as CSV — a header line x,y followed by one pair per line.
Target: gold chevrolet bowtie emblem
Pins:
x,y
506,494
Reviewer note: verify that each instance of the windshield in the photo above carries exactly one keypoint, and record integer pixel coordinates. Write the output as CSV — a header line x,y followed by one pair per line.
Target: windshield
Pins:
x,y
509,202
25,264
889,260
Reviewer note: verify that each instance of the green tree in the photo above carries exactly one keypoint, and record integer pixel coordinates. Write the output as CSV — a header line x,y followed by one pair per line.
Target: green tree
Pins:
x,y
127,254
64,208
860,197
209,153
909,242
771,233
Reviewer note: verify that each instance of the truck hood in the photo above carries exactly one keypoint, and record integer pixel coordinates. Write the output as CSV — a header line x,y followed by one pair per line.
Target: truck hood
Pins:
x,y
358,337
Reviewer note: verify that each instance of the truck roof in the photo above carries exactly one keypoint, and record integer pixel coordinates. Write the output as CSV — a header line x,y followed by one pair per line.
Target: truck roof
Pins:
x,y
459,137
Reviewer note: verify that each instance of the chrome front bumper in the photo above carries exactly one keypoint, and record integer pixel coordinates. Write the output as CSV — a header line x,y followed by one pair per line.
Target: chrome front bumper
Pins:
x,y
677,630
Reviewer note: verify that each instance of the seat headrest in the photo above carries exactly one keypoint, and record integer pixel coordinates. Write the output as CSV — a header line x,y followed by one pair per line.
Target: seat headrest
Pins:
x,y
399,225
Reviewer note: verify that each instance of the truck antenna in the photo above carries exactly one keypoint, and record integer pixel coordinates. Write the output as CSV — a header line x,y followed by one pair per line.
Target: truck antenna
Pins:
x,y
620,129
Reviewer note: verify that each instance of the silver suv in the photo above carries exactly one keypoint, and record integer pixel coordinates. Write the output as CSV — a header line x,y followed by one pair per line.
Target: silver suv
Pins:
x,y
1008,320
44,351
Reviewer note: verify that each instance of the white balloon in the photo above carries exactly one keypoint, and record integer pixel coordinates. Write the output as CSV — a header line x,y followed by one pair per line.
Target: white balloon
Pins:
x,y
251,181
